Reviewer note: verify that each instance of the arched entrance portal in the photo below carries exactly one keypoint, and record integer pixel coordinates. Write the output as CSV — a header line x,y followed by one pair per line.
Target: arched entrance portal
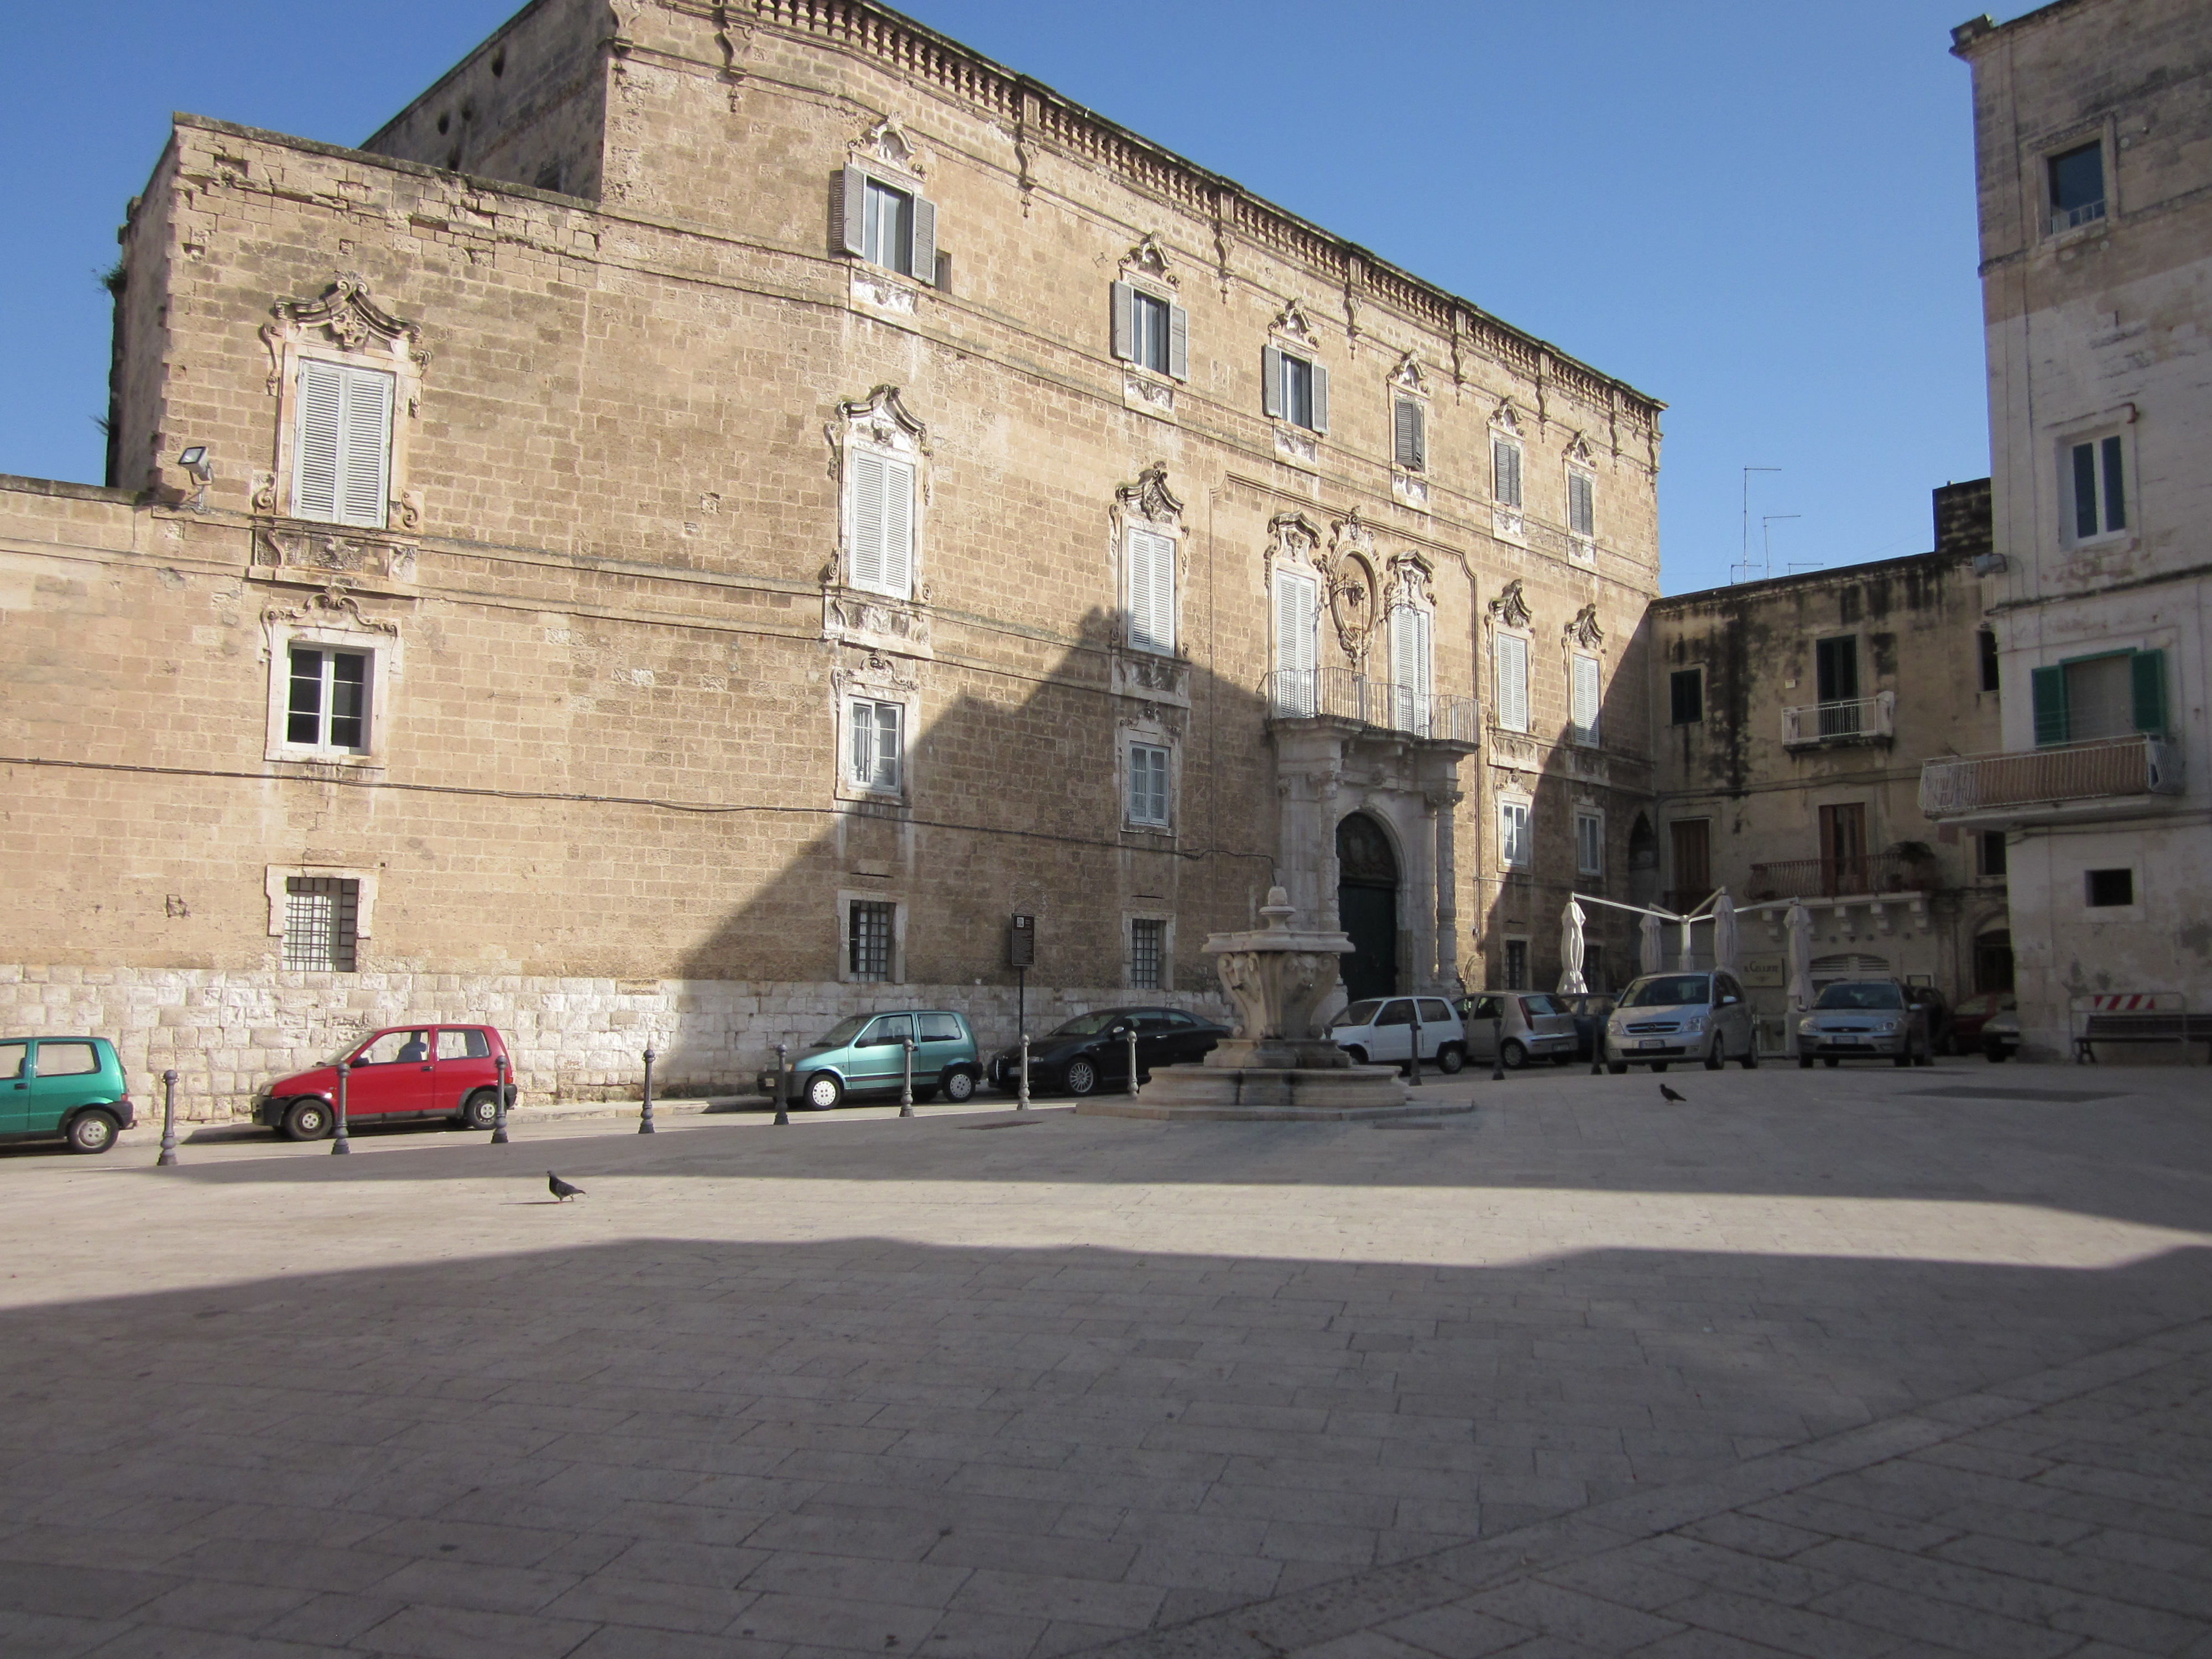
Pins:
x,y
1367,904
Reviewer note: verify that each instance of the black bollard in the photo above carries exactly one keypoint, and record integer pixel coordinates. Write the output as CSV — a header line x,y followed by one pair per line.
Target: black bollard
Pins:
x,y
499,1105
783,1085
339,1143
645,1112
1497,1049
1414,1080
169,1119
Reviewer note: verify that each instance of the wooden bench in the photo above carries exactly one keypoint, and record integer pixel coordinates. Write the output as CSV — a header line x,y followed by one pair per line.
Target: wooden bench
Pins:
x,y
2148,1026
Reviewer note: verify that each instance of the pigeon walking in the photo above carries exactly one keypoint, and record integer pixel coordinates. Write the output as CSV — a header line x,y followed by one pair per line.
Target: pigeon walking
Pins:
x,y
1670,1094
563,1190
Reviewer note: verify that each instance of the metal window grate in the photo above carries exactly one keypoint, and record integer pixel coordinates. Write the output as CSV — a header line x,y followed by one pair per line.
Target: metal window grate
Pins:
x,y
1516,965
320,914
870,930
1147,951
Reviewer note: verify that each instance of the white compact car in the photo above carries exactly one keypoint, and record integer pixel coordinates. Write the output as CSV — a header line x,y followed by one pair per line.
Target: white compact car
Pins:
x,y
1664,1018
1379,1031
1515,1027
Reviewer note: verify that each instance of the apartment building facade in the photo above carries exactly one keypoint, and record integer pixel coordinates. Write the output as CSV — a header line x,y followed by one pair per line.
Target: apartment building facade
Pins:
x,y
2093,151
706,515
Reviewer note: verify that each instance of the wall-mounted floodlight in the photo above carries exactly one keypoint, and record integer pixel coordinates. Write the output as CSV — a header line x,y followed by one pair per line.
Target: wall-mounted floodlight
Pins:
x,y
195,461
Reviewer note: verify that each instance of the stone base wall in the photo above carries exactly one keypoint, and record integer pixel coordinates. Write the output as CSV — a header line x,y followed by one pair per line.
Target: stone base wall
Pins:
x,y
226,1034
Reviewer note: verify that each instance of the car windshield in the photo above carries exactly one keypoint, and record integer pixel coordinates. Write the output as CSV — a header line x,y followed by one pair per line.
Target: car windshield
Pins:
x,y
1091,1024
1540,1004
1668,991
842,1032
1359,1014
1860,996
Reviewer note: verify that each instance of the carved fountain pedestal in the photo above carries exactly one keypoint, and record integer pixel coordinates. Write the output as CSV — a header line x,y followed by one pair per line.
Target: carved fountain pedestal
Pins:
x,y
1277,1066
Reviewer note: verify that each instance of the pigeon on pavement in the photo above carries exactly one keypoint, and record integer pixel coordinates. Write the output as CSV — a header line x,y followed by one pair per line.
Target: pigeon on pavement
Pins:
x,y
1670,1094
563,1190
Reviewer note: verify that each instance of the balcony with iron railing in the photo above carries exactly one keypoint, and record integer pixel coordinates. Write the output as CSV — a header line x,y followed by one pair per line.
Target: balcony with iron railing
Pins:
x,y
2071,780
1850,876
1853,719
1339,693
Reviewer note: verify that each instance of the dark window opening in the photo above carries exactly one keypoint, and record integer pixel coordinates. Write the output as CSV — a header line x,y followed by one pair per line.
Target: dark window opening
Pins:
x,y
1993,961
2100,496
328,704
1516,965
2109,888
1991,844
869,948
2077,187
1148,950
1987,641
1685,689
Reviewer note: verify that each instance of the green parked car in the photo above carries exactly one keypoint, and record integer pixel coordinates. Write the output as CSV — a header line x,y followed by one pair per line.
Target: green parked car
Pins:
x,y
66,1088
866,1055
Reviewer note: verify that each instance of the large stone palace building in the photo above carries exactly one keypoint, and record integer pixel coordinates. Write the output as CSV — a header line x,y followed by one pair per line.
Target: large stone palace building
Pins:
x,y
711,510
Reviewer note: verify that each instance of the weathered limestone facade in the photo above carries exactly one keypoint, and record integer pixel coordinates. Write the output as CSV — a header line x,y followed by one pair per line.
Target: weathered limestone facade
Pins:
x,y
2094,146
1777,787
616,574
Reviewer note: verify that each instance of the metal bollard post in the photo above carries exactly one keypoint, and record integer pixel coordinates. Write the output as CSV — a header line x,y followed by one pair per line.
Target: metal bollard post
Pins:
x,y
906,1087
499,1105
1497,1049
1129,1035
645,1113
782,1084
1597,1049
1414,1081
169,1119
1022,1099
339,1143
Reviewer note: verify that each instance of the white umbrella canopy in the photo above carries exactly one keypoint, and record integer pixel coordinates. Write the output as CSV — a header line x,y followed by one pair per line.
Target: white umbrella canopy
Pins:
x,y
1725,945
1653,953
1570,949
1799,923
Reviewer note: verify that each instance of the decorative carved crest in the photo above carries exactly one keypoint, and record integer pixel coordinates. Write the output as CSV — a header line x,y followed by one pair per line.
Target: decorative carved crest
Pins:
x,y
1150,498
1578,449
887,145
1293,325
348,318
1349,536
1408,376
1505,419
1293,538
331,607
1510,609
334,557
882,418
1148,260
1584,631
1413,577
1348,568
875,672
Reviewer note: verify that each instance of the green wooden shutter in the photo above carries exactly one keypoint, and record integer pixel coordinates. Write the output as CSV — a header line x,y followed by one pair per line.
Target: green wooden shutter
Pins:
x,y
2047,690
2148,669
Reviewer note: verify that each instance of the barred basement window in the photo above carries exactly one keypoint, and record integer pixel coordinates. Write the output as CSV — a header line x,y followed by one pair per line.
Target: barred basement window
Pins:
x,y
1516,965
869,945
1147,950
319,915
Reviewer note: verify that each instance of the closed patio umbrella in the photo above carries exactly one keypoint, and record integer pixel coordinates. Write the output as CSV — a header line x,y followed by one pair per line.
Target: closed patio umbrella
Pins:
x,y
1653,953
1724,938
1570,951
1799,923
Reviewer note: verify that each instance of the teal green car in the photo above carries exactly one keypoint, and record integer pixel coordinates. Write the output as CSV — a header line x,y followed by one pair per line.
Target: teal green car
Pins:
x,y
65,1088
865,1055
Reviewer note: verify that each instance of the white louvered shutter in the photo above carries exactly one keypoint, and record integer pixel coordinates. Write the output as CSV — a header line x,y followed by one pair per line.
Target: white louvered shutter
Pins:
x,y
1513,681
924,251
1151,591
1179,343
852,211
882,524
1271,382
1586,698
1320,398
366,451
1125,322
1295,608
1410,658
315,447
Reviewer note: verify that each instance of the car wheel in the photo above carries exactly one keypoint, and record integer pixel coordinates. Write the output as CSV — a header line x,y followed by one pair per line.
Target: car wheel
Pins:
x,y
958,1086
1716,1056
1618,1067
1994,1054
1514,1055
1750,1061
1804,1062
1563,1059
1925,1057
91,1132
1830,1061
1658,1066
825,1092
308,1120
1358,1055
480,1110
1450,1058
1903,1057
1082,1076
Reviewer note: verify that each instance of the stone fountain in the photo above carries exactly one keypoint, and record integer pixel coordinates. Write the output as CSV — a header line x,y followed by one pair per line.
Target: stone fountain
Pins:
x,y
1277,1065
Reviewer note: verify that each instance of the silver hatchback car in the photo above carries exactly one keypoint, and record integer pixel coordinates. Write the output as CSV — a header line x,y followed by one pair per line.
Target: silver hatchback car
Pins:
x,y
1664,1018
1865,1019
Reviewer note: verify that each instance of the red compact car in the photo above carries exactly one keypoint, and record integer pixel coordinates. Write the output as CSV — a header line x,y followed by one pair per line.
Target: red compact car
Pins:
x,y
429,1071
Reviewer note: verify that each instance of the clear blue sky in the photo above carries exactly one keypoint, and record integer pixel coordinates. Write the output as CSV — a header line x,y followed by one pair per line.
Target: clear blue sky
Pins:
x,y
1761,214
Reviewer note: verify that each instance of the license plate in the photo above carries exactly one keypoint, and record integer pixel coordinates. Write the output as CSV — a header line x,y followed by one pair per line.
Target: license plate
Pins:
x,y
1652,1042
1843,1041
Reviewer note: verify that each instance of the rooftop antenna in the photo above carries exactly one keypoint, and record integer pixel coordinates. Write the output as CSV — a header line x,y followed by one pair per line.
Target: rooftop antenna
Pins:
x,y
1747,471
1766,522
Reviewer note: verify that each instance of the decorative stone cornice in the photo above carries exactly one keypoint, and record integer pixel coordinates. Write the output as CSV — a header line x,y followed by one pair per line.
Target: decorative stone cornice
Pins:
x,y
1510,609
1149,498
346,315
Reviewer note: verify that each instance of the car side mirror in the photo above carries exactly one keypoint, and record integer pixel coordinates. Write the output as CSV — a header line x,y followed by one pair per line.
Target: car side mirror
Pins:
x,y
1726,1001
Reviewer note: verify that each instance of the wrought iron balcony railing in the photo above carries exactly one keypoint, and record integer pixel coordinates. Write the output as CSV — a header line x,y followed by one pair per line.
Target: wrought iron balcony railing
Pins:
x,y
2104,770
1857,720
1841,877
1340,694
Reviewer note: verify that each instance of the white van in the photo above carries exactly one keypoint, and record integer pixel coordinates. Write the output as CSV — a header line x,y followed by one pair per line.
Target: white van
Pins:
x,y
1379,1031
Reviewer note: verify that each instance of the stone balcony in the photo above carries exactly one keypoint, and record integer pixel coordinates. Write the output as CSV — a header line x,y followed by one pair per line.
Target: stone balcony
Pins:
x,y
1339,693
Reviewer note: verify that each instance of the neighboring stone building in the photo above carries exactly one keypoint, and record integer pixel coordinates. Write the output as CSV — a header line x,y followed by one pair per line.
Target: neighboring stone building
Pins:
x,y
712,509
1798,713
2093,145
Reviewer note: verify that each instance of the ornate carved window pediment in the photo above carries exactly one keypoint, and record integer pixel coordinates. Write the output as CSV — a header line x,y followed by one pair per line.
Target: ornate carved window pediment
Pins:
x,y
1292,325
1147,262
887,144
1584,631
1510,608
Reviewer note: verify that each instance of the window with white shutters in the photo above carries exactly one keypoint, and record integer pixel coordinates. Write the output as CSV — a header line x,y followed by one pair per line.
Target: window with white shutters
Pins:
x,y
877,752
1148,785
1512,665
1294,389
1584,693
1151,562
1411,657
882,540
887,225
342,446
1297,602
1150,331
1505,472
